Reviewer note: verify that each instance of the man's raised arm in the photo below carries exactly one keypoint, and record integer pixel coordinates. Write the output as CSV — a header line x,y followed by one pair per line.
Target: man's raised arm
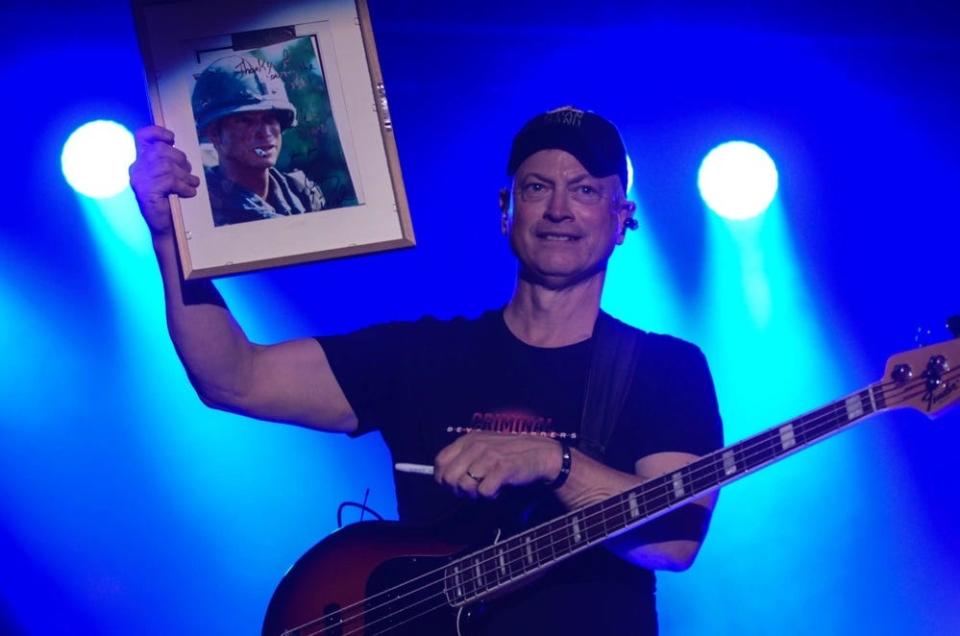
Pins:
x,y
288,382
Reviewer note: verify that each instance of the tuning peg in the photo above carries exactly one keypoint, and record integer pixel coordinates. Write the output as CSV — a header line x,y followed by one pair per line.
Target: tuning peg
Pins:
x,y
953,324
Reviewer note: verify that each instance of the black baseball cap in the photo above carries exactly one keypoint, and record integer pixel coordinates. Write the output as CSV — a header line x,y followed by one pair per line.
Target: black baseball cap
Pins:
x,y
594,141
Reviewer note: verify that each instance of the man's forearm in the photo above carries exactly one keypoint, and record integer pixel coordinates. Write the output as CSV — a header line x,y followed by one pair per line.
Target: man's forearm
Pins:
x,y
670,542
212,346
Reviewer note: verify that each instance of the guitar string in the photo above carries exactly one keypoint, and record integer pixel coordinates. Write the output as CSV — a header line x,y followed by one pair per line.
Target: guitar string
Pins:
x,y
412,591
653,496
588,525
390,627
834,410
469,568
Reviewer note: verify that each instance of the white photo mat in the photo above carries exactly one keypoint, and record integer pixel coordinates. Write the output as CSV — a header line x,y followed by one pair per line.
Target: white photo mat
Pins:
x,y
177,38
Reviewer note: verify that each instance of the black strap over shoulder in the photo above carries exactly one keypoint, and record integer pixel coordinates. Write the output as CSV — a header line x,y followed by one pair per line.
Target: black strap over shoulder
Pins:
x,y
617,349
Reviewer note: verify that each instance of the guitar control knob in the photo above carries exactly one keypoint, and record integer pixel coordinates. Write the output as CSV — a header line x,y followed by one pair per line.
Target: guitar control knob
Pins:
x,y
901,373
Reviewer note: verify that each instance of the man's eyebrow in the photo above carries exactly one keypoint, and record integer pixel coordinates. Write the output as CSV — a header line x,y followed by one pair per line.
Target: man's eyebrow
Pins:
x,y
537,175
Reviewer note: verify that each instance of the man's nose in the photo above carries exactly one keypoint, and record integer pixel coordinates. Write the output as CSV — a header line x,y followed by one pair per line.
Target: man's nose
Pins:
x,y
558,206
266,129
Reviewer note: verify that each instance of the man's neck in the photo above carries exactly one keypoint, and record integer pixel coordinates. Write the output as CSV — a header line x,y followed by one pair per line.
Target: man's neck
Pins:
x,y
255,180
546,317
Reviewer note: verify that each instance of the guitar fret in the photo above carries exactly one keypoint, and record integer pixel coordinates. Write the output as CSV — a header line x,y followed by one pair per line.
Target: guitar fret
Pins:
x,y
865,404
805,431
515,560
468,583
740,458
810,422
457,583
595,529
828,422
528,550
520,558
555,531
766,450
488,567
879,396
608,519
723,468
480,584
586,528
502,564
655,490
564,544
540,547
708,473
620,513
543,548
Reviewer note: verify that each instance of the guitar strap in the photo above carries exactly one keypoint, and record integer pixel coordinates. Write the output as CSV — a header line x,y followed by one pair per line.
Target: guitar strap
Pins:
x,y
617,349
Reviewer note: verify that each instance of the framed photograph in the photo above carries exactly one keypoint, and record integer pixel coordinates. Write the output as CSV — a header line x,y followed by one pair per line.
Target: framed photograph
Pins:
x,y
281,109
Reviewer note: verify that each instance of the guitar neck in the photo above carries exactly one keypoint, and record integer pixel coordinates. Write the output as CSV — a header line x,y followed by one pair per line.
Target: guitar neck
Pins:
x,y
523,555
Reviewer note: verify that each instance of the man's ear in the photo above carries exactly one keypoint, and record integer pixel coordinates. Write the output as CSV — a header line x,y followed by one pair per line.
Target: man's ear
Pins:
x,y
627,222
504,201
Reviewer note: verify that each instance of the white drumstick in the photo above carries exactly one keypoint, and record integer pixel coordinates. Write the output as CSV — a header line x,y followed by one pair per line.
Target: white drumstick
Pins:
x,y
416,469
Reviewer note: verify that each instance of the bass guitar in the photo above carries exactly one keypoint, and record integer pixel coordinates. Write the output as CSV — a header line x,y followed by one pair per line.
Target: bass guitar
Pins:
x,y
385,578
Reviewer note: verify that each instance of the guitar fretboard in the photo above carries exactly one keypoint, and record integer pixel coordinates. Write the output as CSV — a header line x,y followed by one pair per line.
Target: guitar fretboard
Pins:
x,y
490,569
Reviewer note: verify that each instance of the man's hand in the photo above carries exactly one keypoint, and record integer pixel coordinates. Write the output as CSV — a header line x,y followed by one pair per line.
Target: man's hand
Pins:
x,y
159,171
480,464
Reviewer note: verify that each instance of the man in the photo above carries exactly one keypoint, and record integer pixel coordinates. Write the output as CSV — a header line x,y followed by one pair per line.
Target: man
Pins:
x,y
494,403
240,104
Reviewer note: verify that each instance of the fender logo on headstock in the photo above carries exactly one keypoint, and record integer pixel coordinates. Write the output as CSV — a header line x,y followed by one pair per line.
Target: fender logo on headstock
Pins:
x,y
932,397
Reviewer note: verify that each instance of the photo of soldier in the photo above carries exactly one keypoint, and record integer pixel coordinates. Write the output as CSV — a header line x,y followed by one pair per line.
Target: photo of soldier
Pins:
x,y
263,156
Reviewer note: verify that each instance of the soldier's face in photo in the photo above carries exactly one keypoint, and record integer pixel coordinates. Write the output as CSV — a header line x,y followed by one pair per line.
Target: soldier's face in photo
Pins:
x,y
251,138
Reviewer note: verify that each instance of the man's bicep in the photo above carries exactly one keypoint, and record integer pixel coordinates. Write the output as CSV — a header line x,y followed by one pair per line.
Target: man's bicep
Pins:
x,y
293,382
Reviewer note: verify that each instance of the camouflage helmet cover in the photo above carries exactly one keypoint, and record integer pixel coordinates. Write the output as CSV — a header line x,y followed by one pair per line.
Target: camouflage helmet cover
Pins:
x,y
240,83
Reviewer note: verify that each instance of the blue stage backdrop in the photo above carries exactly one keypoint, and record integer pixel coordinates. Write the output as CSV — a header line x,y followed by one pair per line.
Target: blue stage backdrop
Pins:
x,y
126,506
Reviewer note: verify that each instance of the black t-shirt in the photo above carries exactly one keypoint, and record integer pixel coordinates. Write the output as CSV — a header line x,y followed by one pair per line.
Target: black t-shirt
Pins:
x,y
423,383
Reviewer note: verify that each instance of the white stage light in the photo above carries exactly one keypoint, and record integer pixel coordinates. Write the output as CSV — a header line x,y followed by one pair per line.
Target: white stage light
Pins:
x,y
738,180
96,157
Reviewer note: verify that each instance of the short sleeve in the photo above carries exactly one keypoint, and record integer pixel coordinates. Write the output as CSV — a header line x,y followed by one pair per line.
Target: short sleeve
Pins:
x,y
371,365
673,404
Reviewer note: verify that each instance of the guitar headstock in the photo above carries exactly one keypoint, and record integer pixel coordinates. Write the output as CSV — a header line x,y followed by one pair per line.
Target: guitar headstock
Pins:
x,y
927,379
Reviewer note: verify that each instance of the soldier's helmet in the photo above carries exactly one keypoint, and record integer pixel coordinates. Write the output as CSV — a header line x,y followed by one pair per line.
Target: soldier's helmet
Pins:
x,y
240,83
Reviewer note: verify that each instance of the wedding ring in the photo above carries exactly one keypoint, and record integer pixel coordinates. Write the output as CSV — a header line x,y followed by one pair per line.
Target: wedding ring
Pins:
x,y
474,477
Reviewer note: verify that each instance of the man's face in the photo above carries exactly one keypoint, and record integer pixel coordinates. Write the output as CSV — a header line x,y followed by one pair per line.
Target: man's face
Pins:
x,y
251,139
565,222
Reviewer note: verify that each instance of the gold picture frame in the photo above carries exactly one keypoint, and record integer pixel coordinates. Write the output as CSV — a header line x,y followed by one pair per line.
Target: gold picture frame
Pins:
x,y
301,81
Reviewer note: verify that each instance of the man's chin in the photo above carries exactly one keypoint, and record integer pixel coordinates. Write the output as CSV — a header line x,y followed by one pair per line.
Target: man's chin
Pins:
x,y
263,163
558,280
